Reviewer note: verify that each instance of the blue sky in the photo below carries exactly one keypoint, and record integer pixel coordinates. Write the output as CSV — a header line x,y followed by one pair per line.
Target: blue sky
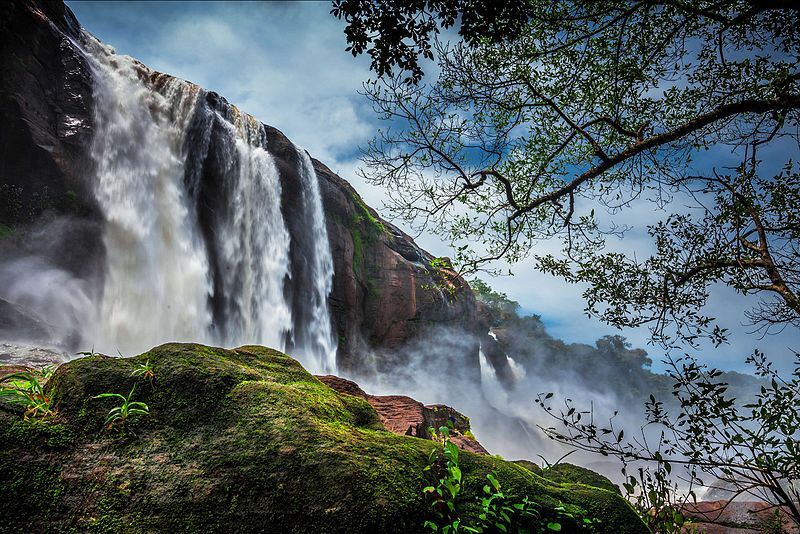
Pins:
x,y
285,63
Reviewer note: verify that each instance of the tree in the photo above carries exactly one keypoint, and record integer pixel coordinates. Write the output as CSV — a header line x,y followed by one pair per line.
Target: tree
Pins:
x,y
396,33
752,449
689,110
593,109
502,308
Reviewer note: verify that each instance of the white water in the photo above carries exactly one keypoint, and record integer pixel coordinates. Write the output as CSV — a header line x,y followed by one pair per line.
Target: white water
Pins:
x,y
159,280
157,284
254,242
323,345
493,391
517,371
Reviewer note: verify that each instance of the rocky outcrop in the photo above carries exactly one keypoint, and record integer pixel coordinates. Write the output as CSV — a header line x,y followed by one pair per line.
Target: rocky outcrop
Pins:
x,y
405,416
45,132
386,291
45,105
726,517
241,440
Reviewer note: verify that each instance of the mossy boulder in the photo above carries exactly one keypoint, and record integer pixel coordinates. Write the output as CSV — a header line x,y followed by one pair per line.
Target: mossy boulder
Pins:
x,y
240,440
574,474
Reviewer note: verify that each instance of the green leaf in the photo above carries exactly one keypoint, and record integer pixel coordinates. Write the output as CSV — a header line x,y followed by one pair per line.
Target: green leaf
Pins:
x,y
109,395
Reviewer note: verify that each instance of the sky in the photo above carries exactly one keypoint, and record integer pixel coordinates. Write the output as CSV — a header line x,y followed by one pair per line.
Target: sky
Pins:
x,y
285,64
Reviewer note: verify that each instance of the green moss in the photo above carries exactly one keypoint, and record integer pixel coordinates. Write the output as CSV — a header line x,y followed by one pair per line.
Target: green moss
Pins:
x,y
372,288
531,466
575,474
363,213
5,230
365,228
358,250
237,441
31,432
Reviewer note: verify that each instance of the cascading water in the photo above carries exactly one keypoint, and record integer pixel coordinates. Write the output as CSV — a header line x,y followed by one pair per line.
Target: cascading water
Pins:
x,y
157,284
196,243
320,343
253,240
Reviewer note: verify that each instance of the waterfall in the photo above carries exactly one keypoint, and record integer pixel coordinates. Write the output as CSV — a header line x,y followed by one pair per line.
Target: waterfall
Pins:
x,y
253,240
156,282
493,391
320,342
197,248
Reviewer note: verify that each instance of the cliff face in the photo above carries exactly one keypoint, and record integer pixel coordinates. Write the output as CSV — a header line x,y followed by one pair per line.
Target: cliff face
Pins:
x,y
385,291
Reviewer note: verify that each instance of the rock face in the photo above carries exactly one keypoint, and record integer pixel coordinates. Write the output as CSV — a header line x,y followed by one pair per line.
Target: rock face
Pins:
x,y
240,440
405,416
45,130
724,517
385,291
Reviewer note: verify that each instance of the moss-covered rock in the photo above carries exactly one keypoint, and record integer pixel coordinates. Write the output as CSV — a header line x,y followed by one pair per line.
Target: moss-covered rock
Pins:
x,y
574,474
240,440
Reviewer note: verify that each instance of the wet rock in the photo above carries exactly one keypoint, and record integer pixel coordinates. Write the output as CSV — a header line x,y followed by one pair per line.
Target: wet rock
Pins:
x,y
726,517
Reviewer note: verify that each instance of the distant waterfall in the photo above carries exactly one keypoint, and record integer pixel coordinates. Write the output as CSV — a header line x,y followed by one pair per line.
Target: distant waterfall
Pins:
x,y
196,243
493,391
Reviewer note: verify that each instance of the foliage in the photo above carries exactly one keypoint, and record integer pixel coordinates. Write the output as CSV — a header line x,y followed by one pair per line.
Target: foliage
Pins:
x,y
127,409
144,370
443,495
752,448
501,306
595,109
396,33
443,278
499,512
26,389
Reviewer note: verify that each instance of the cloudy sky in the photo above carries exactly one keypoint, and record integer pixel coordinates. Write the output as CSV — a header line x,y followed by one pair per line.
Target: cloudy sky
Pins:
x,y
285,64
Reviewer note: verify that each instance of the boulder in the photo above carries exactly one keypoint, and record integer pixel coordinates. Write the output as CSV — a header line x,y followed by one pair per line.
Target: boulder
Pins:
x,y
737,517
241,440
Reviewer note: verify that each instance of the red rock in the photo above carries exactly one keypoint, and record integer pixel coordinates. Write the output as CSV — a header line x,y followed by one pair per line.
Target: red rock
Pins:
x,y
724,517
408,417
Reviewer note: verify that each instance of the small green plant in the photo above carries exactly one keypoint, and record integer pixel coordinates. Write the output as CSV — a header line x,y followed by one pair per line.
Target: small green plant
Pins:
x,y
26,389
549,465
774,523
501,514
144,370
443,495
120,415
498,512
443,277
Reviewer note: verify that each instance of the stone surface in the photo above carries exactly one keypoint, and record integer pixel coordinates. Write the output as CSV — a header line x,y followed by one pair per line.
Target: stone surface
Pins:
x,y
405,416
17,357
725,517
